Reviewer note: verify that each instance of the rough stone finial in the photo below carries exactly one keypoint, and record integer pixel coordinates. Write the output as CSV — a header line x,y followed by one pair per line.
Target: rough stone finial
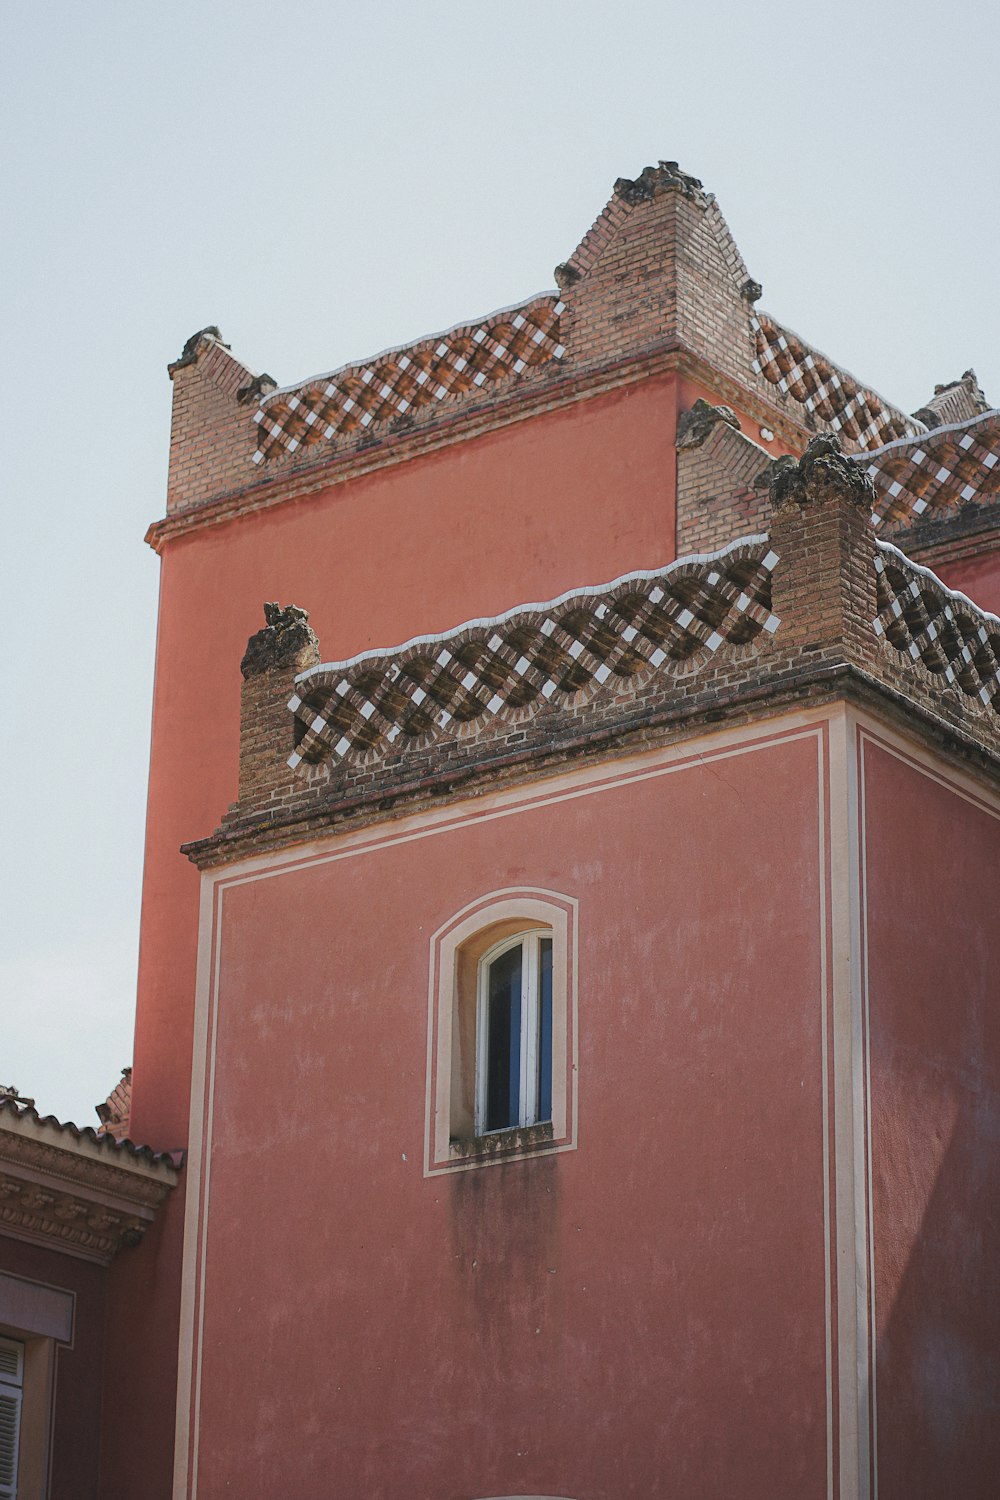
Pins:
x,y
287,640
12,1092
694,425
954,401
189,354
971,382
666,174
823,473
260,385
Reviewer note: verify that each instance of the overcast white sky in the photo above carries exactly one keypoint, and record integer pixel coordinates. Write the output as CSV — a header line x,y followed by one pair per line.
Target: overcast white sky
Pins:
x,y
323,180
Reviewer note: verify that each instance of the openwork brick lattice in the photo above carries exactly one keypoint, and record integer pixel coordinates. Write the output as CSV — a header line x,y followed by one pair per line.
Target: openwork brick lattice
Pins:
x,y
937,627
535,654
401,382
938,472
824,389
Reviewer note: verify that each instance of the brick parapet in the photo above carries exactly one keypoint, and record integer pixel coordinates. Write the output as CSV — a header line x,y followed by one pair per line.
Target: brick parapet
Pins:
x,y
830,588
723,700
659,274
661,261
943,482
657,277
211,431
957,401
395,444
274,657
824,582
408,388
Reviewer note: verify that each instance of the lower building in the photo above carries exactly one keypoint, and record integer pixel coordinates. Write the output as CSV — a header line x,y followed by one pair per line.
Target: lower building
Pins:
x,y
70,1201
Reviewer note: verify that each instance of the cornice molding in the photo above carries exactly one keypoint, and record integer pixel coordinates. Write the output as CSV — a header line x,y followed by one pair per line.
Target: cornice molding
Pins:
x,y
69,1196
814,685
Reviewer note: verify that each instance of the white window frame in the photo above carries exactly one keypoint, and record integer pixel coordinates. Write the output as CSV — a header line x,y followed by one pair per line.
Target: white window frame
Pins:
x,y
530,944
455,949
12,1394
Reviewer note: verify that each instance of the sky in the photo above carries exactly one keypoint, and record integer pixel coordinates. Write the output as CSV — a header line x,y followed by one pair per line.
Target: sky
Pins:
x,y
322,181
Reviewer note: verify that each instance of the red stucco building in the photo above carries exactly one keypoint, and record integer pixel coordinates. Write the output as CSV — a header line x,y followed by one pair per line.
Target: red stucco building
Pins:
x,y
582,1024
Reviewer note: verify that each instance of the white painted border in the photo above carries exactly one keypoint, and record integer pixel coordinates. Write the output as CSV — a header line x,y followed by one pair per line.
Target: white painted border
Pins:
x,y
869,730
561,914
486,622
849,1115
955,595
644,766
353,365
196,1201
919,438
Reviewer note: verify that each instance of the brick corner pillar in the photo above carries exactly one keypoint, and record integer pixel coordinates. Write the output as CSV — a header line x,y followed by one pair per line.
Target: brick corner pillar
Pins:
x,y
212,433
821,529
659,270
274,656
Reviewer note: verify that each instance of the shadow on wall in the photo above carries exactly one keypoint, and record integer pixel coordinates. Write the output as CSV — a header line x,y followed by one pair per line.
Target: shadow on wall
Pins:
x,y
937,1296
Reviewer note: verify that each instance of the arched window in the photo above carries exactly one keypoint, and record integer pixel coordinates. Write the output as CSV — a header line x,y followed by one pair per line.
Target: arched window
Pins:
x,y
514,1033
502,1030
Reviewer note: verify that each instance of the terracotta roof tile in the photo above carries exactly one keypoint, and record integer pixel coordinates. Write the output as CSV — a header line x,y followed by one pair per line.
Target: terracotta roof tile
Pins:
x,y
106,1143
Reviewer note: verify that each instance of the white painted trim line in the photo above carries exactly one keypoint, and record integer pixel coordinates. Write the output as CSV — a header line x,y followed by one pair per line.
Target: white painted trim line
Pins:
x,y
644,575
192,1278
863,387
932,577
423,338
928,432
849,1114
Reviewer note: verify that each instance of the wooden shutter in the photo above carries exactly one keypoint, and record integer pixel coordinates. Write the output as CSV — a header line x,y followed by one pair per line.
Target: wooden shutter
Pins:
x,y
11,1382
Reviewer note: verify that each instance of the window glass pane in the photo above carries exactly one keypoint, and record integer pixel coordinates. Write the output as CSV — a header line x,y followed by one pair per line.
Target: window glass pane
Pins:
x,y
544,1030
503,1054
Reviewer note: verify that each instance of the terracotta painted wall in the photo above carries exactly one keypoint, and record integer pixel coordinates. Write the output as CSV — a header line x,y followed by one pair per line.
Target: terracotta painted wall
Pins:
x,y
979,577
76,1426
643,1316
934,1001
571,498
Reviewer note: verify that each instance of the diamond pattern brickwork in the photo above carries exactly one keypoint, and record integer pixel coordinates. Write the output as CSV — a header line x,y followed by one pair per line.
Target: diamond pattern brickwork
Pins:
x,y
824,389
931,476
663,621
401,382
937,628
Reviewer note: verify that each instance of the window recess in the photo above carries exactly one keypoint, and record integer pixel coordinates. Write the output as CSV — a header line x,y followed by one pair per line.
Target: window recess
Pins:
x,y
502,1031
514,1034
